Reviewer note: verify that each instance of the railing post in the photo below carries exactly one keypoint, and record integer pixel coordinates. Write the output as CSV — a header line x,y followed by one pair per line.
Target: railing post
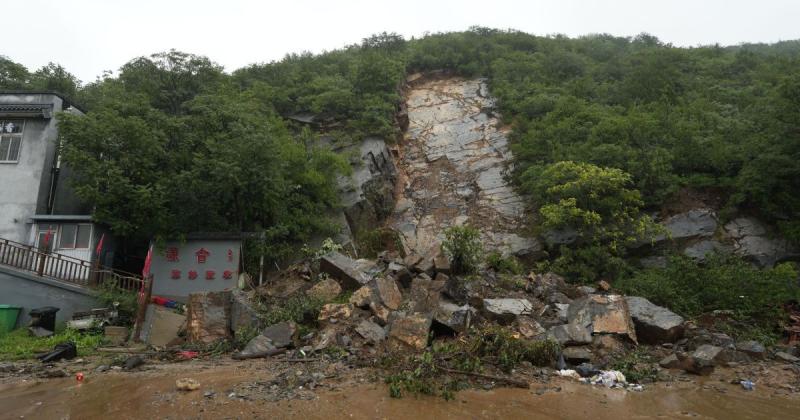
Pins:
x,y
42,262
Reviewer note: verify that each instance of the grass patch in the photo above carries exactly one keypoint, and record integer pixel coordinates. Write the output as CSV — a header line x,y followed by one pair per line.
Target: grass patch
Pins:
x,y
506,265
754,295
19,344
426,374
637,366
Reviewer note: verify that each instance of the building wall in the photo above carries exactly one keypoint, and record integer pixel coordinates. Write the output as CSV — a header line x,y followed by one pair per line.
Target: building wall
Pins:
x,y
217,260
24,185
29,292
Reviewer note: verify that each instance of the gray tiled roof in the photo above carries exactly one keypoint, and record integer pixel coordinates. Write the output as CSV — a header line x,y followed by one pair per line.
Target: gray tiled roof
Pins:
x,y
26,110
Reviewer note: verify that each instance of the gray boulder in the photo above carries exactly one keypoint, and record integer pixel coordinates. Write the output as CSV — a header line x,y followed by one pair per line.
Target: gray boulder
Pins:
x,y
350,273
281,334
371,331
654,324
505,311
570,334
692,224
454,317
752,348
702,360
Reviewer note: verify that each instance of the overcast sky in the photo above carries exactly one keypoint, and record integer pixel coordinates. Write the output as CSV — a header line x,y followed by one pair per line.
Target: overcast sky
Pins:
x,y
89,36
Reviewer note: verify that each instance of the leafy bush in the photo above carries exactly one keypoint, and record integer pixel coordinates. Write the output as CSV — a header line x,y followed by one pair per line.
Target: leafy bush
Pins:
x,y
724,282
371,242
109,294
509,265
462,245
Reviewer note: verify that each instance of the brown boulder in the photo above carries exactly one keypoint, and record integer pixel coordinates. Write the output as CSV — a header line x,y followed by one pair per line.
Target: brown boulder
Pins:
x,y
411,331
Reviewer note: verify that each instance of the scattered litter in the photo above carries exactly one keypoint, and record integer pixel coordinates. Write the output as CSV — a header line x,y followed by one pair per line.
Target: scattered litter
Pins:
x,y
609,379
79,377
187,384
95,318
748,385
568,373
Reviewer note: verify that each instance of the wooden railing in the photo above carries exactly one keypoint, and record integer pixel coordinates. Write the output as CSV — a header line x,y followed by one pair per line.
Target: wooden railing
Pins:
x,y
61,267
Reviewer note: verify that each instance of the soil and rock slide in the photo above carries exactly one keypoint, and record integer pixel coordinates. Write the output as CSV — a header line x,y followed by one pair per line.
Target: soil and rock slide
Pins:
x,y
454,159
331,361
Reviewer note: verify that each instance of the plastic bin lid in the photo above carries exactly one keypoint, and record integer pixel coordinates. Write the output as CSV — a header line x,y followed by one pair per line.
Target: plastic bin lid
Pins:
x,y
9,307
44,310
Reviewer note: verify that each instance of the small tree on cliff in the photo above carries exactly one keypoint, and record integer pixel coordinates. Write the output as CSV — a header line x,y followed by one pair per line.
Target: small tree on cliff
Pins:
x,y
462,245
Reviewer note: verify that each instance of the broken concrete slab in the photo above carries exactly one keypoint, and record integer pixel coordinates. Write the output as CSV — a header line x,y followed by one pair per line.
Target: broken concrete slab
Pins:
x,y
654,324
505,311
208,316
411,331
164,326
371,331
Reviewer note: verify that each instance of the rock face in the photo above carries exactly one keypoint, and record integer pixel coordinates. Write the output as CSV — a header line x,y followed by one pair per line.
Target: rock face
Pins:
x,y
208,317
367,196
752,241
692,224
453,162
654,324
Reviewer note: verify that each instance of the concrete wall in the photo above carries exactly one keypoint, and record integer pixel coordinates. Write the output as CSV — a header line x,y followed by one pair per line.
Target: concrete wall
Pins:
x,y
217,261
24,185
29,292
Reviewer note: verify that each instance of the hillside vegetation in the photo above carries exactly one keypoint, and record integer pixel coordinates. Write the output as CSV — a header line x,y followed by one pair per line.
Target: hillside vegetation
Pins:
x,y
605,130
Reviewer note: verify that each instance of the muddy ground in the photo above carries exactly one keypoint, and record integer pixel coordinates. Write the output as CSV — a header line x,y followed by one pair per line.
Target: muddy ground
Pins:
x,y
260,389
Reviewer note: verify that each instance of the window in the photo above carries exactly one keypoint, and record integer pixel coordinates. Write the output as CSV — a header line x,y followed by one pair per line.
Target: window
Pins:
x,y
10,140
74,236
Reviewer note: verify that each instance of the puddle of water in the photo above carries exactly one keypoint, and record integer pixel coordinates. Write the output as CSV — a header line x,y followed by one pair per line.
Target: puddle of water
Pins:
x,y
124,396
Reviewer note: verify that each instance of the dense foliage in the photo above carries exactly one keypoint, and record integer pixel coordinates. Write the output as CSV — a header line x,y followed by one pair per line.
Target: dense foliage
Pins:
x,y
174,144
754,296
462,246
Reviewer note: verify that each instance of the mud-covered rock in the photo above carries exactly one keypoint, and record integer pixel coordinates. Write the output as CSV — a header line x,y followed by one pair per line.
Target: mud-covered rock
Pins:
x,y
411,331
752,348
654,324
325,290
602,314
334,312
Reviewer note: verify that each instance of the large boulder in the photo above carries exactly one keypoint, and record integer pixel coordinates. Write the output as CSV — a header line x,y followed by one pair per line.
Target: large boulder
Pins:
x,y
752,241
243,315
602,314
570,334
702,360
282,334
454,317
350,273
388,292
505,311
654,324
208,316
411,331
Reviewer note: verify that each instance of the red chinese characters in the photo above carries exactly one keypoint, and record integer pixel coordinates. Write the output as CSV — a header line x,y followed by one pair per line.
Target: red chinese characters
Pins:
x,y
210,274
172,254
230,255
175,274
192,275
227,274
202,254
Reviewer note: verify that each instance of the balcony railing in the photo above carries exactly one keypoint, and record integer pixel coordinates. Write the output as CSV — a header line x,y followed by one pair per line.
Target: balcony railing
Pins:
x,y
64,268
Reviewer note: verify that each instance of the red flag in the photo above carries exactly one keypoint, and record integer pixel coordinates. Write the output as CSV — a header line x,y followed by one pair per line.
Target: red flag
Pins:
x,y
47,237
100,245
146,269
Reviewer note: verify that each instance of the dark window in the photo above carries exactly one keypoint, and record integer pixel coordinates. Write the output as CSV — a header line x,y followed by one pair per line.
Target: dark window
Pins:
x,y
10,140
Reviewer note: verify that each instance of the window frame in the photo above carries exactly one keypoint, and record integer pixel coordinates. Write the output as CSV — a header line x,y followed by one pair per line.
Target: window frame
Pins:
x,y
75,235
11,137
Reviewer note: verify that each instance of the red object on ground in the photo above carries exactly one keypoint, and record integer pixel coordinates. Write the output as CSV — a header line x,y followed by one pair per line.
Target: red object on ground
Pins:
x,y
158,300
79,376
186,354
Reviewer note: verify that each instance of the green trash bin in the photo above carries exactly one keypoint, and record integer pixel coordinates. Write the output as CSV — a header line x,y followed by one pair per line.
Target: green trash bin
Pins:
x,y
8,317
